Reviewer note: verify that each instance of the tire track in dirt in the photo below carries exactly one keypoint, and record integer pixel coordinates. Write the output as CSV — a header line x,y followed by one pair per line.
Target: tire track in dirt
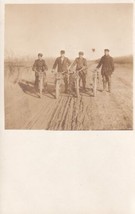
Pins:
x,y
44,116
68,119
93,120
59,115
75,113
53,119
81,113
63,119
36,120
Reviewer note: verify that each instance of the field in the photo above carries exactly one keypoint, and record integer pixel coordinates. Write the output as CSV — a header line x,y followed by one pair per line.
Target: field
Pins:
x,y
107,111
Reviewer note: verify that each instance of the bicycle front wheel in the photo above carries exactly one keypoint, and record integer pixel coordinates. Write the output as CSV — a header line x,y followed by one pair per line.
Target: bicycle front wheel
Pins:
x,y
94,86
57,89
40,85
77,88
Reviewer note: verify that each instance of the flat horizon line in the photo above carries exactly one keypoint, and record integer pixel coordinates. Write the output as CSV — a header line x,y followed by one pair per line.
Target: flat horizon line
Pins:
x,y
52,57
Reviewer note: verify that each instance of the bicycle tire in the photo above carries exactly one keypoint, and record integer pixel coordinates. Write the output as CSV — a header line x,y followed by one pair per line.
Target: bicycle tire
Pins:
x,y
77,88
57,89
94,86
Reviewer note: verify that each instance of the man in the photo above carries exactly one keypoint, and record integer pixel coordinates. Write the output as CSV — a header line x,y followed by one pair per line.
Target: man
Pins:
x,y
62,63
107,69
39,65
81,66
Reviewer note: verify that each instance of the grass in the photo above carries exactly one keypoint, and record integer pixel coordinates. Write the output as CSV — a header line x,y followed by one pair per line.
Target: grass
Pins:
x,y
15,64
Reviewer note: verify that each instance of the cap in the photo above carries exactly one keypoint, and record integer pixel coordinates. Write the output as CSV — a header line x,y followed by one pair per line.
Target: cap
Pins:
x,y
106,50
81,53
62,52
40,54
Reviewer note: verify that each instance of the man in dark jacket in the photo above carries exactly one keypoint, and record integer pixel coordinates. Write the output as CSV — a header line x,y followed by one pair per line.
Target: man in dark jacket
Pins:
x,y
62,63
107,69
39,65
81,66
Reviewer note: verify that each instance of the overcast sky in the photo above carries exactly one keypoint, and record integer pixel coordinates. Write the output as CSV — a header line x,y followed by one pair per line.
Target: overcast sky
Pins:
x,y
30,29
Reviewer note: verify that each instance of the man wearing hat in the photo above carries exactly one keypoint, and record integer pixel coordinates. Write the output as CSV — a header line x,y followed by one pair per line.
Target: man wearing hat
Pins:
x,y
81,64
107,69
39,65
62,63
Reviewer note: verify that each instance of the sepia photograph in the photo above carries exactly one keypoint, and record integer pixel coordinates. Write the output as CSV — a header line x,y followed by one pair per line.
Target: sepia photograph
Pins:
x,y
67,107
68,66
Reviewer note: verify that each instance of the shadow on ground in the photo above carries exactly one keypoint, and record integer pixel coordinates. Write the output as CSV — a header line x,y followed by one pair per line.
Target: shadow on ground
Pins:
x,y
28,88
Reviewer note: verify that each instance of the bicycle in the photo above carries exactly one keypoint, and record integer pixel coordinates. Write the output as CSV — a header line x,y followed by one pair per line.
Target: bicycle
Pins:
x,y
58,81
76,80
95,77
59,78
42,84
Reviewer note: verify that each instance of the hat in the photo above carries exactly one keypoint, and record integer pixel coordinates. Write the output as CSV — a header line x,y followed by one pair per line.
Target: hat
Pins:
x,y
81,53
62,52
106,50
40,54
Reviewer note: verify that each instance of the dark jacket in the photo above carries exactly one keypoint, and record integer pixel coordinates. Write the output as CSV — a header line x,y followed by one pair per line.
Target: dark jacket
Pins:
x,y
80,63
107,65
39,65
62,65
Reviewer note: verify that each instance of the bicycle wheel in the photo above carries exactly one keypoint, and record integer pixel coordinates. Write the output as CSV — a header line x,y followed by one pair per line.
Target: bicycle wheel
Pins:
x,y
44,83
57,89
94,85
40,85
77,87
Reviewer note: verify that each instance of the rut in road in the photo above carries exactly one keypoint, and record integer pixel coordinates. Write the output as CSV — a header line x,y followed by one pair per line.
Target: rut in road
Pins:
x,y
104,112
69,114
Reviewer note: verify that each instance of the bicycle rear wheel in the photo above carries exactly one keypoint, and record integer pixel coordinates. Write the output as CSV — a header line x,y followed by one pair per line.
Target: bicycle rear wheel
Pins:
x,y
57,89
77,88
40,85
95,85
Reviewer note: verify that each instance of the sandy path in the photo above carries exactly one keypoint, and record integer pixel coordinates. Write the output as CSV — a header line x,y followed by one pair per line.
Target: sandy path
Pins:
x,y
23,110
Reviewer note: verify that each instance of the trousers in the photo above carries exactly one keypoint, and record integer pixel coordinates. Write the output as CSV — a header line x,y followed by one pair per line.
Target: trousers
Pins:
x,y
65,78
82,76
106,81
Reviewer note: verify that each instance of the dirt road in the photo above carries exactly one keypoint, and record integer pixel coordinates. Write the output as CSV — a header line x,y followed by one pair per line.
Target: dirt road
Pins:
x,y
24,110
